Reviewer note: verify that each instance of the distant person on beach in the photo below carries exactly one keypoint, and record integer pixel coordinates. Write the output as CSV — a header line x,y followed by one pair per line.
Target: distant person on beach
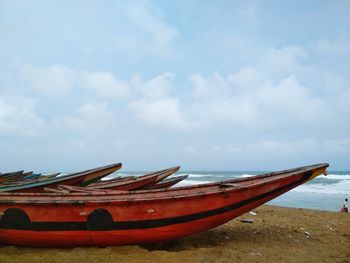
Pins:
x,y
345,206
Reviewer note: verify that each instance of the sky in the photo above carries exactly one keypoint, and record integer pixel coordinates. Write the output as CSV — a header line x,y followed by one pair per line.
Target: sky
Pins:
x,y
208,85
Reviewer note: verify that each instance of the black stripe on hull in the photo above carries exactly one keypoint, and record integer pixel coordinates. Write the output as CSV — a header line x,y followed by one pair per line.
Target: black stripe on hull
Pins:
x,y
144,224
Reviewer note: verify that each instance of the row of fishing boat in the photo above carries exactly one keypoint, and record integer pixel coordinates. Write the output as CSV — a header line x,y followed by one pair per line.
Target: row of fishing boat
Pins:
x,y
28,182
86,209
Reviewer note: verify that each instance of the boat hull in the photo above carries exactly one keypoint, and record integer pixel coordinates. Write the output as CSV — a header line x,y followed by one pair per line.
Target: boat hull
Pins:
x,y
125,221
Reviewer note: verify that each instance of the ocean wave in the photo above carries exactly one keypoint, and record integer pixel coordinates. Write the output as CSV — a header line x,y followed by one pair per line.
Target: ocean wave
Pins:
x,y
209,175
336,177
197,175
342,187
192,182
246,175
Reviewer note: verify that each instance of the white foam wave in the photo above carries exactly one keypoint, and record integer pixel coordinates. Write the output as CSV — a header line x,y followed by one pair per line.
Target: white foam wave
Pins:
x,y
336,177
199,175
191,182
246,175
342,187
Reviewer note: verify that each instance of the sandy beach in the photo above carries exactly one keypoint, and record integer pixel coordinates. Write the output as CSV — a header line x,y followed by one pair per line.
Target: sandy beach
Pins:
x,y
277,234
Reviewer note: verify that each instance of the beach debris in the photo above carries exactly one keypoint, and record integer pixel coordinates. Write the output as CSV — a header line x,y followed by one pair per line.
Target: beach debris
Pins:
x,y
252,213
255,253
307,234
246,220
330,228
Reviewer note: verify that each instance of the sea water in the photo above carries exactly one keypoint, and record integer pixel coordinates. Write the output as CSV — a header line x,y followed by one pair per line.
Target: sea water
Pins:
x,y
322,193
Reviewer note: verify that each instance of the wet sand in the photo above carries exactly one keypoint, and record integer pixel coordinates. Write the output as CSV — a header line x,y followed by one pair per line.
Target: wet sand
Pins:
x,y
276,235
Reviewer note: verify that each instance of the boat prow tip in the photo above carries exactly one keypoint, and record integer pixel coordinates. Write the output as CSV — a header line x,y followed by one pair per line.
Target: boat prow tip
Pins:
x,y
318,172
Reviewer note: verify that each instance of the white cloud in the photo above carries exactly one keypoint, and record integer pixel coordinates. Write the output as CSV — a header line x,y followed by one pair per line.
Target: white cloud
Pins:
x,y
17,116
257,97
155,106
155,88
292,102
163,113
215,99
54,79
212,88
61,79
91,116
248,79
104,84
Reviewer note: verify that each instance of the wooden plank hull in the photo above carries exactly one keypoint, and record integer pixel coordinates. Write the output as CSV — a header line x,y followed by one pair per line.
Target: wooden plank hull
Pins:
x,y
53,220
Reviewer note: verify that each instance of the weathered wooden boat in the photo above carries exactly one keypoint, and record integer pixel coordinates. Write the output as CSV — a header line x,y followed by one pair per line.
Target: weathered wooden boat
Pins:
x,y
34,175
8,176
148,216
149,183
169,182
41,176
135,182
29,179
27,173
70,179
17,177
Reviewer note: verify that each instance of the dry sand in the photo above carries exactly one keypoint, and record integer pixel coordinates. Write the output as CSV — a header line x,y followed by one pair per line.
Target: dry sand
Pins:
x,y
276,235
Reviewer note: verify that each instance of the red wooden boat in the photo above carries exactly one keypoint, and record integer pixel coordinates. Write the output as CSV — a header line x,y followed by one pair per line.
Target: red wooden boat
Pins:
x,y
168,182
135,182
122,218
8,176
15,178
29,179
70,179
